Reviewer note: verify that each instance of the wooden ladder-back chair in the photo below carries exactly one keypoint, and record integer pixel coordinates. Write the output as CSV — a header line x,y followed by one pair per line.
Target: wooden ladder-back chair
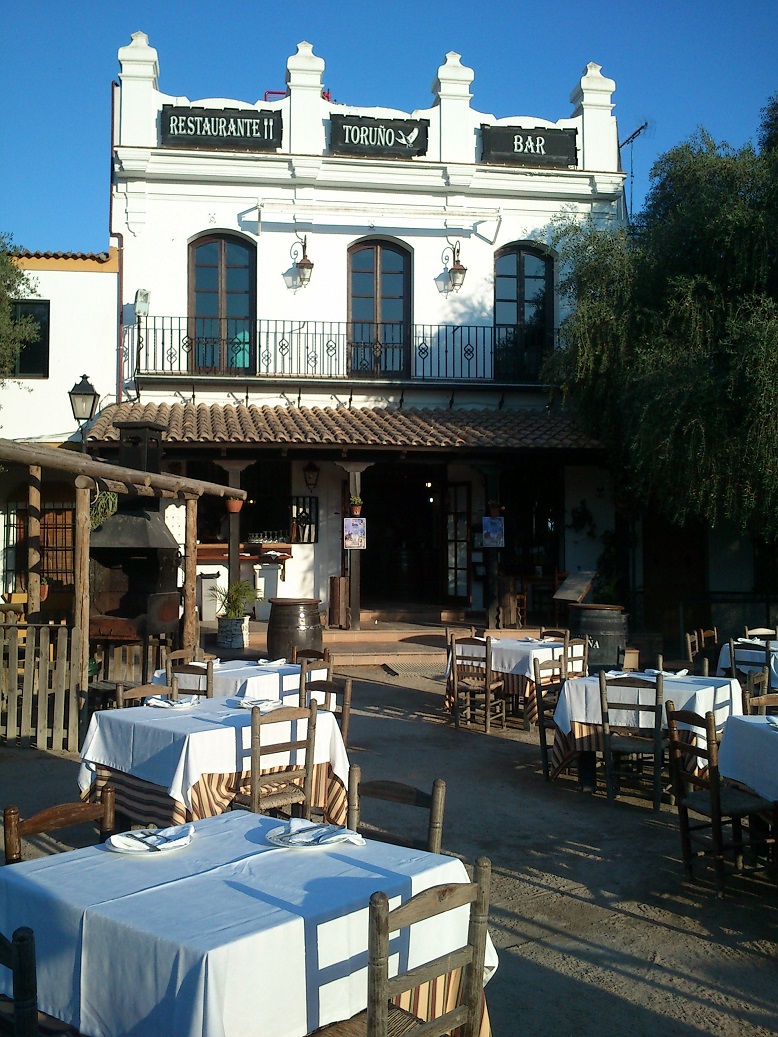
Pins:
x,y
549,680
699,790
64,815
397,792
755,686
692,639
332,695
475,691
622,741
760,705
760,632
741,661
313,655
136,696
385,1019
577,657
191,661
555,633
19,1015
291,787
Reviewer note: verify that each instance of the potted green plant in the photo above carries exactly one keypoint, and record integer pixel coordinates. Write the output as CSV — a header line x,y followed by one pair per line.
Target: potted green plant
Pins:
x,y
234,603
355,503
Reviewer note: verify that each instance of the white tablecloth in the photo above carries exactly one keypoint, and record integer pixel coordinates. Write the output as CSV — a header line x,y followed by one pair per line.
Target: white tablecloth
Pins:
x,y
580,700
227,937
515,655
174,748
751,658
749,753
238,677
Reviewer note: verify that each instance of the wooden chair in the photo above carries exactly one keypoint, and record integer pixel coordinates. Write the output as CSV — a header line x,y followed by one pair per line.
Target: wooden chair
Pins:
x,y
549,678
699,790
289,787
332,695
693,646
555,633
53,818
135,696
761,632
397,792
313,655
708,638
474,689
577,657
186,660
627,659
755,686
383,1018
19,1015
622,741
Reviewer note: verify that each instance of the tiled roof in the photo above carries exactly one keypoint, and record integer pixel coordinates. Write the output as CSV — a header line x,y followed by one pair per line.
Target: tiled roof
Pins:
x,y
357,427
101,257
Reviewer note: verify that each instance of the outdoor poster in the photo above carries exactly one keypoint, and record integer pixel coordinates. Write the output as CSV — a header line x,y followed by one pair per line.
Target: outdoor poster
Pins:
x,y
354,534
494,531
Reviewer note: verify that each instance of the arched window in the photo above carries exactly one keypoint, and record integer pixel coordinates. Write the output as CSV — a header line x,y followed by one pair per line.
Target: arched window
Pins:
x,y
379,309
523,312
222,303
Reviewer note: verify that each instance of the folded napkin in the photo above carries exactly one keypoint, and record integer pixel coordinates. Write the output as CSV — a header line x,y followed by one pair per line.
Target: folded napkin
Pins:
x,y
299,832
247,702
668,673
271,662
153,839
160,702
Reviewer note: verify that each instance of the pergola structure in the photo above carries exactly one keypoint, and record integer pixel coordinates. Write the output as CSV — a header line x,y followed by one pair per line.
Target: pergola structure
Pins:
x,y
90,475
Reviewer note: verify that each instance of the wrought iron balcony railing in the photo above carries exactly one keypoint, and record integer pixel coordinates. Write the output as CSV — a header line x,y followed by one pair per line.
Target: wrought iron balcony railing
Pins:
x,y
234,347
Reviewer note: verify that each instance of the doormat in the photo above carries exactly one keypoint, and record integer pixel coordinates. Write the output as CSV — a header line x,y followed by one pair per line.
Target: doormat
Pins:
x,y
418,668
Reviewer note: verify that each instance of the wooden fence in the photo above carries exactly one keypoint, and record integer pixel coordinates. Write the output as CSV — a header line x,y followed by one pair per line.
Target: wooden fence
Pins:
x,y
40,687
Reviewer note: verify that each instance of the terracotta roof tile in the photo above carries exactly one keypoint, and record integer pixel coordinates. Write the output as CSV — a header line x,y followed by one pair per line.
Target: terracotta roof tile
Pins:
x,y
359,426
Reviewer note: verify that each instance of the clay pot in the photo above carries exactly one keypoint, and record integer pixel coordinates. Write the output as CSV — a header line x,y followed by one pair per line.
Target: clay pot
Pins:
x,y
233,505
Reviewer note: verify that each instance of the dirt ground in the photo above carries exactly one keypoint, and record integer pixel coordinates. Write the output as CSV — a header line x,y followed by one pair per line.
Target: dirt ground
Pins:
x,y
597,930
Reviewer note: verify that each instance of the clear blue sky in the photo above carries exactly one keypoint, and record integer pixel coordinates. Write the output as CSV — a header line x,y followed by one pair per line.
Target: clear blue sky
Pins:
x,y
679,64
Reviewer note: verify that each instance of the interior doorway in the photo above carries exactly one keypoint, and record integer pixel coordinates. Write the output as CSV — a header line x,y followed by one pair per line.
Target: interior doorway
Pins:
x,y
404,507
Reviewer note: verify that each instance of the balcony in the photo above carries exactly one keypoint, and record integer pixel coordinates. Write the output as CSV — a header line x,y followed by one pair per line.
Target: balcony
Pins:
x,y
178,347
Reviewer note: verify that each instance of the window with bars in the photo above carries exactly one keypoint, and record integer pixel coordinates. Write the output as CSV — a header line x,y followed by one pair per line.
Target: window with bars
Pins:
x,y
56,544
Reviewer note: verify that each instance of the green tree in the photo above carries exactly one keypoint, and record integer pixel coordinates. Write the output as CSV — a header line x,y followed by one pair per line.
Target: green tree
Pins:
x,y
669,350
14,284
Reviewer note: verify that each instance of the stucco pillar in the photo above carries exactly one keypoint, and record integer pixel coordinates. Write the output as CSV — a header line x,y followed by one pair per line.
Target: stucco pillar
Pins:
x,y
452,90
304,73
599,142
139,99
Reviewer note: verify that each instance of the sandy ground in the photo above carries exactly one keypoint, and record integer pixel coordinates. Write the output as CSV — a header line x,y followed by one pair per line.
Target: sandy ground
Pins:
x,y
598,931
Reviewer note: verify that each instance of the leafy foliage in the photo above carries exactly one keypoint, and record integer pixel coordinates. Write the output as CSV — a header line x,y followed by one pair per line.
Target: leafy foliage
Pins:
x,y
670,347
14,284
235,600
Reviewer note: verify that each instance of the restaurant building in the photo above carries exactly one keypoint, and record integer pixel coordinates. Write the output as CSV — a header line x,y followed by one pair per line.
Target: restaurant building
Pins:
x,y
315,301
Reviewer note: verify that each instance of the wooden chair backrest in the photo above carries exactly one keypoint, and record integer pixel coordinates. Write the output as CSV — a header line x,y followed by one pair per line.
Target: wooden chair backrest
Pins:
x,y
760,704
428,904
397,792
627,658
327,694
18,955
577,657
135,696
685,753
692,644
760,632
471,658
52,818
199,669
611,698
297,745
312,655
708,637
555,633
550,674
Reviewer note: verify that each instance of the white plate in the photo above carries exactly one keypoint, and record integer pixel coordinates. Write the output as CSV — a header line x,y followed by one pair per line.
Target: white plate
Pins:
x,y
132,842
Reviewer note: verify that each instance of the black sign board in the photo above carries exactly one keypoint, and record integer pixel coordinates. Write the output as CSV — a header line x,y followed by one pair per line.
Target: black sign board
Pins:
x,y
517,146
225,129
359,135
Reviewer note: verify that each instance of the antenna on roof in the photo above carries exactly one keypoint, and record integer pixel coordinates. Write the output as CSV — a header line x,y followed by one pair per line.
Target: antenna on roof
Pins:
x,y
631,140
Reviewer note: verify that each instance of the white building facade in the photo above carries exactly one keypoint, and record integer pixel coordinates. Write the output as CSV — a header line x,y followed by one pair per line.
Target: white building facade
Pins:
x,y
318,300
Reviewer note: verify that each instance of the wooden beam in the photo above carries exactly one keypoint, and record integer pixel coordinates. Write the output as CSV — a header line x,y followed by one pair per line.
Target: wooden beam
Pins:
x,y
34,544
115,486
81,464
189,635
81,583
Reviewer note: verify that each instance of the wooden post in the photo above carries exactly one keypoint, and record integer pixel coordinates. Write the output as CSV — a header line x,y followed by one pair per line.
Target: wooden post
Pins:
x,y
34,545
355,561
81,591
189,629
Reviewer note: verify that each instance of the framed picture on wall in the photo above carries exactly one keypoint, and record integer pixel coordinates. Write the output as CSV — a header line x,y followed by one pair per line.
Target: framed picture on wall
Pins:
x,y
354,534
494,531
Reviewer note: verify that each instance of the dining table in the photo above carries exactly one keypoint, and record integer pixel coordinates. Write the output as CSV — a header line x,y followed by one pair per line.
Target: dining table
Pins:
x,y
578,714
229,933
513,661
272,678
187,761
751,655
748,754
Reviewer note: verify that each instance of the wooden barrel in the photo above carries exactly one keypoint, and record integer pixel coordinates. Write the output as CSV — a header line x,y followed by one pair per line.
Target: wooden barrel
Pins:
x,y
293,622
605,628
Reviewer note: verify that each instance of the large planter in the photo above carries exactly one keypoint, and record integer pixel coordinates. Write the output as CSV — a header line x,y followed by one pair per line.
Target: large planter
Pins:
x,y
294,622
232,632
605,628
